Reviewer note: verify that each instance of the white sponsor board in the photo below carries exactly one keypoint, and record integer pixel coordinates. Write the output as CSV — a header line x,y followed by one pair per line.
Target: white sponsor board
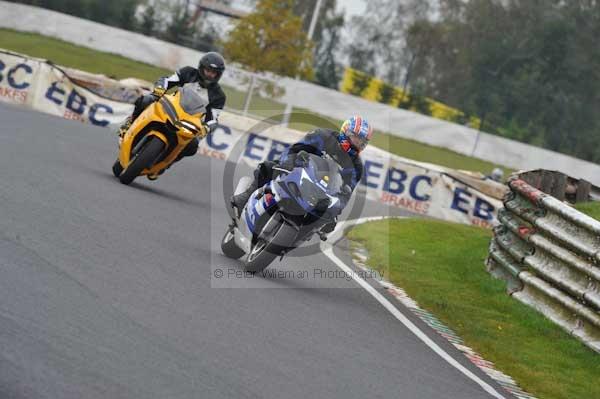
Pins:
x,y
45,87
417,187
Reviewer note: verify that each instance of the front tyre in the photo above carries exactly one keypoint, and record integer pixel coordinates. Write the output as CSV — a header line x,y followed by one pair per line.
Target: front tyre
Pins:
x,y
265,250
142,159
117,169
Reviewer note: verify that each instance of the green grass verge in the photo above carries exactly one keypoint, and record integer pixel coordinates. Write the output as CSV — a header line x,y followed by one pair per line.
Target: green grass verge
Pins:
x,y
441,266
441,156
589,208
118,67
63,53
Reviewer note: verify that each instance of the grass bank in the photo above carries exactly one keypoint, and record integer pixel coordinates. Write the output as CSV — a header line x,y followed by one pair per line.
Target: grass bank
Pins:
x,y
589,208
118,67
441,266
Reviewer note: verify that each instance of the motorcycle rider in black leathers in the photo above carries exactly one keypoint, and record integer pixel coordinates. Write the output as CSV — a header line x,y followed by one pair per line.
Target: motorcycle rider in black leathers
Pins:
x,y
207,75
343,146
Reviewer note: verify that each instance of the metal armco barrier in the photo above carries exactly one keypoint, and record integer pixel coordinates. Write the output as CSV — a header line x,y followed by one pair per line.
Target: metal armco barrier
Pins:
x,y
549,254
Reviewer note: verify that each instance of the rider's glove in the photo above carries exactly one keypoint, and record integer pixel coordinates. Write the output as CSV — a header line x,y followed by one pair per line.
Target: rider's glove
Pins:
x,y
301,158
329,227
346,190
210,126
158,91
326,229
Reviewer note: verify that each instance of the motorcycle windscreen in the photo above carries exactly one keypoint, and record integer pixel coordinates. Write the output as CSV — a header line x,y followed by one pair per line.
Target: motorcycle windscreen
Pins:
x,y
194,99
321,178
312,194
326,174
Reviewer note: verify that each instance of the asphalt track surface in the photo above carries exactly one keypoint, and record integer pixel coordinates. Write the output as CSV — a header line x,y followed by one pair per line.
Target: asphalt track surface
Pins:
x,y
108,291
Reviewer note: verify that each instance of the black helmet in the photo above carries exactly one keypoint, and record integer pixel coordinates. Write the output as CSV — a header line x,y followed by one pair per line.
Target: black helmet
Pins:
x,y
211,61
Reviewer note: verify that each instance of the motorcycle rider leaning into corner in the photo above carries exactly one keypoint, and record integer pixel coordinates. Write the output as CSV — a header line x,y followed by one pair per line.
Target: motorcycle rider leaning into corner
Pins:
x,y
207,75
344,146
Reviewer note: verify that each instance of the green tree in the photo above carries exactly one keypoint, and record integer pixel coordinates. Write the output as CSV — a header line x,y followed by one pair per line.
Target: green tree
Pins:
x,y
386,93
328,71
271,39
360,81
180,28
147,25
416,101
377,38
326,37
208,31
126,18
528,69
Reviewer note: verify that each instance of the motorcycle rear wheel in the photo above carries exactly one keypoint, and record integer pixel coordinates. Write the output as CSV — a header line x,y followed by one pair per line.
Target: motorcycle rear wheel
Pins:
x,y
143,159
229,247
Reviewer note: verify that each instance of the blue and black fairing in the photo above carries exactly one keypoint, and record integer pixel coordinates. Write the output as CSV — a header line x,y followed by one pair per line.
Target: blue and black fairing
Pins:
x,y
306,195
314,187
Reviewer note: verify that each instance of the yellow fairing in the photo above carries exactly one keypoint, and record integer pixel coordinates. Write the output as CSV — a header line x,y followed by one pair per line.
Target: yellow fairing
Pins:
x,y
166,111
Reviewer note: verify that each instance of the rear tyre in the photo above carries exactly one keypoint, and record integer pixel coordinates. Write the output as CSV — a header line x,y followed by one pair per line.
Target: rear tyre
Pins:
x,y
117,168
143,159
229,247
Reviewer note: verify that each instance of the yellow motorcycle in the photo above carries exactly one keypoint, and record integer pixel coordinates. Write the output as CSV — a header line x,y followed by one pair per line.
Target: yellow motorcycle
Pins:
x,y
157,137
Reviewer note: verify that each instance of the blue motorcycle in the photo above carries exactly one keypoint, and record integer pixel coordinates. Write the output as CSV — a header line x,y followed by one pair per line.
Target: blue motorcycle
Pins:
x,y
284,212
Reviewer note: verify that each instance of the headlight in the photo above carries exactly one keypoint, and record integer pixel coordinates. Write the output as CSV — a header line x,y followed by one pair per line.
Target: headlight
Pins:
x,y
312,200
190,127
293,187
312,194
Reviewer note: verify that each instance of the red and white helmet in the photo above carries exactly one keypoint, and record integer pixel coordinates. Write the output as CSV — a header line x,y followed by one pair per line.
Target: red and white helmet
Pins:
x,y
358,131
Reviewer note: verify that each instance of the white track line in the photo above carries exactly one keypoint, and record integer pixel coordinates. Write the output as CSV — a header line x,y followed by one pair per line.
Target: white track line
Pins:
x,y
328,250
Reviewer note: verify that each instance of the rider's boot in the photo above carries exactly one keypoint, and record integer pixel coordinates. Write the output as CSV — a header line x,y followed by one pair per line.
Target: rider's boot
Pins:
x,y
155,175
238,201
326,229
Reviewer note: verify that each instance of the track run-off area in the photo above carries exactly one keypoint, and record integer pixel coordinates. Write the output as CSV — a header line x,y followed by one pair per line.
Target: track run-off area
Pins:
x,y
111,291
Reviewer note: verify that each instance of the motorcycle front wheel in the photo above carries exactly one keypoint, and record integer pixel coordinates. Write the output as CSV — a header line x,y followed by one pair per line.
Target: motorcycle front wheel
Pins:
x,y
141,160
117,168
278,238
